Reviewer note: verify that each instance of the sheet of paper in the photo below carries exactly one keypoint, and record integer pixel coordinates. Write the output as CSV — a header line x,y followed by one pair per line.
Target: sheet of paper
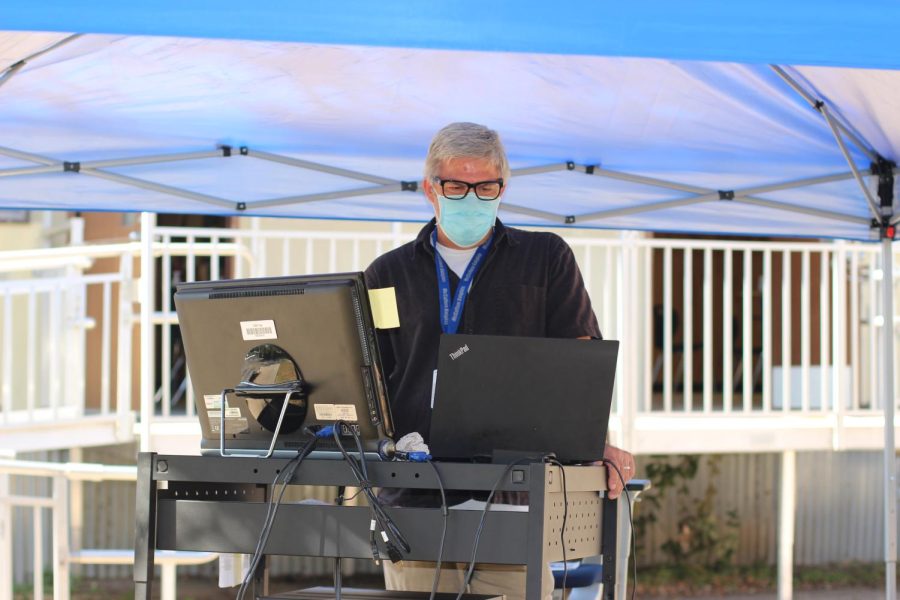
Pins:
x,y
384,308
479,505
232,569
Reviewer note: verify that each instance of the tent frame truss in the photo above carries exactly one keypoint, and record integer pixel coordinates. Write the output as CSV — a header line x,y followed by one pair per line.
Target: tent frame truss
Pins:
x,y
382,185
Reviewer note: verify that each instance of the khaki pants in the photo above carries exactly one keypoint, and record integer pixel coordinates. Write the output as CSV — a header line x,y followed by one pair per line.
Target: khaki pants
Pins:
x,y
508,580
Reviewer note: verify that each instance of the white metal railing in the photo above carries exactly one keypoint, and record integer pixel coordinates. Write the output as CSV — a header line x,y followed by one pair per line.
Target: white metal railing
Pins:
x,y
702,322
67,336
46,364
759,327
65,481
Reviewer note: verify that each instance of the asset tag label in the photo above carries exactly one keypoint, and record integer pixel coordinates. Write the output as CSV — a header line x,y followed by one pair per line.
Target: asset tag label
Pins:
x,y
230,413
258,330
335,412
214,407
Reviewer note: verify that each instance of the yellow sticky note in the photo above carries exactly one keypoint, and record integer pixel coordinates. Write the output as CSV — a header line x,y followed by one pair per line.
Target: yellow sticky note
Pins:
x,y
384,308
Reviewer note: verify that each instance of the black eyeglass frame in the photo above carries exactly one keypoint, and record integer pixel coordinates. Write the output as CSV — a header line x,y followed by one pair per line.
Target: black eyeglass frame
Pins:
x,y
469,186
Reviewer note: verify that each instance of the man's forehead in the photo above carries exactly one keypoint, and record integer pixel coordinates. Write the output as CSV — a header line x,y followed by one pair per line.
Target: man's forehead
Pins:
x,y
469,165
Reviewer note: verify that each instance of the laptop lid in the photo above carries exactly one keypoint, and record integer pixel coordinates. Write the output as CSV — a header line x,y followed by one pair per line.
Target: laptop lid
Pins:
x,y
267,336
522,395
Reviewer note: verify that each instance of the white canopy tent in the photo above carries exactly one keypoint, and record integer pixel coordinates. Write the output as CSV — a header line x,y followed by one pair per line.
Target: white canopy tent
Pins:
x,y
750,118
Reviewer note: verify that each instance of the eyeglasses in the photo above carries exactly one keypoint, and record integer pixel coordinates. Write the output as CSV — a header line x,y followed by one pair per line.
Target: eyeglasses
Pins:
x,y
457,190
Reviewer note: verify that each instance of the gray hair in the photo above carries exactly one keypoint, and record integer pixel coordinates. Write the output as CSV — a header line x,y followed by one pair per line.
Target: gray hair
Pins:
x,y
466,140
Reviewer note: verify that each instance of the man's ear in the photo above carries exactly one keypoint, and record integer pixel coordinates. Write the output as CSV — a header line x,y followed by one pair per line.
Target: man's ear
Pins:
x,y
430,195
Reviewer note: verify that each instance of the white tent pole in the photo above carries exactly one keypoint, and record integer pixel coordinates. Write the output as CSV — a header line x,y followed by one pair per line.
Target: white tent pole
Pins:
x,y
652,181
744,195
313,166
890,459
126,180
818,104
632,210
552,168
31,170
533,212
759,189
155,158
35,158
840,141
115,162
15,67
302,199
826,214
816,212
158,187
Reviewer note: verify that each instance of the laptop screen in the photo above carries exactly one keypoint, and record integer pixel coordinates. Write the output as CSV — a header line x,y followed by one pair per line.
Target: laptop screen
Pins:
x,y
266,337
520,395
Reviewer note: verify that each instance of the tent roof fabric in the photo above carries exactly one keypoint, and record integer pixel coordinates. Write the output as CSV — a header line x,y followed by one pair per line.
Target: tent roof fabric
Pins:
x,y
353,87
800,32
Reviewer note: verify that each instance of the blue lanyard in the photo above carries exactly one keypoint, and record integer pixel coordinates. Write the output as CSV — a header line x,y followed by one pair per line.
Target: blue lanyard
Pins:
x,y
451,314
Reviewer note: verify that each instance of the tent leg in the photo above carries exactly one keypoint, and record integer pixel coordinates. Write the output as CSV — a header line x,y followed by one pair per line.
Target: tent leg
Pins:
x,y
890,457
786,510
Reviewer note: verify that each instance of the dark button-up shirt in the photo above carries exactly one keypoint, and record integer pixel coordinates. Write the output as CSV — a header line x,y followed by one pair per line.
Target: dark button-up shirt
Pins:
x,y
529,285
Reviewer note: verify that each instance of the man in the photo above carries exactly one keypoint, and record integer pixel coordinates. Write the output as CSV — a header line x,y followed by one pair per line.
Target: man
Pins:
x,y
468,273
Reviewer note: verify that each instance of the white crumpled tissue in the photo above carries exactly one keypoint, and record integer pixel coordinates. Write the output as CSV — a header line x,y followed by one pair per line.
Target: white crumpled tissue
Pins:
x,y
412,442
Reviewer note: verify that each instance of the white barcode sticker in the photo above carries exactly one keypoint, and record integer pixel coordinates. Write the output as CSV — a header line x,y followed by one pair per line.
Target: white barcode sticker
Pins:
x,y
214,407
230,413
335,412
213,401
258,330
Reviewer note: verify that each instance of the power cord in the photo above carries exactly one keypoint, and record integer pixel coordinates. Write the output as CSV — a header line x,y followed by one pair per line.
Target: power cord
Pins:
x,y
285,475
631,520
390,533
487,506
562,532
446,514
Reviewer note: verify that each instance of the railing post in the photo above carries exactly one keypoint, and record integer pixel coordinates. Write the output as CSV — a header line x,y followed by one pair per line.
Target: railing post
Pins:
x,y
60,537
6,542
38,566
786,509
73,336
168,582
630,350
838,340
148,222
124,334
76,506
73,321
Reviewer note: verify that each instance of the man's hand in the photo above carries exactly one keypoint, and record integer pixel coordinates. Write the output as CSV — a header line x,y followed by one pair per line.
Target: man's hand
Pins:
x,y
624,461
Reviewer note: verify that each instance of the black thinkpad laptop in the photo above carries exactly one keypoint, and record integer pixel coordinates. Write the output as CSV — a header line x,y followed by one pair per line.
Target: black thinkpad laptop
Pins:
x,y
508,396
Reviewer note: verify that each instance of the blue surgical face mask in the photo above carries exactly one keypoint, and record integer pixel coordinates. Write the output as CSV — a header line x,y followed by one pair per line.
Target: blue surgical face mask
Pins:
x,y
467,220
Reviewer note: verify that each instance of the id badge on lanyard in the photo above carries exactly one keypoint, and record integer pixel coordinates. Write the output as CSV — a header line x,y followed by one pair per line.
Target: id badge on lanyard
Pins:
x,y
451,312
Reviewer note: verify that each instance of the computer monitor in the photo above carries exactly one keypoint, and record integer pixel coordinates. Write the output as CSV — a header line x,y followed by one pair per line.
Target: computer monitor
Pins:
x,y
309,338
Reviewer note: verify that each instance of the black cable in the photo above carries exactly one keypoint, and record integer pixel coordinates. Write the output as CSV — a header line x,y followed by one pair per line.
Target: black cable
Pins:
x,y
446,513
631,520
286,474
337,578
268,521
562,533
384,520
487,506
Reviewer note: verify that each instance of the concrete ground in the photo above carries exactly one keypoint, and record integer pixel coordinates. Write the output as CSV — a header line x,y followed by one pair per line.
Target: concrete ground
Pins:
x,y
848,594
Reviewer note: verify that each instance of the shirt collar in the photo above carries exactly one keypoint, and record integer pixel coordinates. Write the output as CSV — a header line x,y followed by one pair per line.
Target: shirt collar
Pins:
x,y
502,233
